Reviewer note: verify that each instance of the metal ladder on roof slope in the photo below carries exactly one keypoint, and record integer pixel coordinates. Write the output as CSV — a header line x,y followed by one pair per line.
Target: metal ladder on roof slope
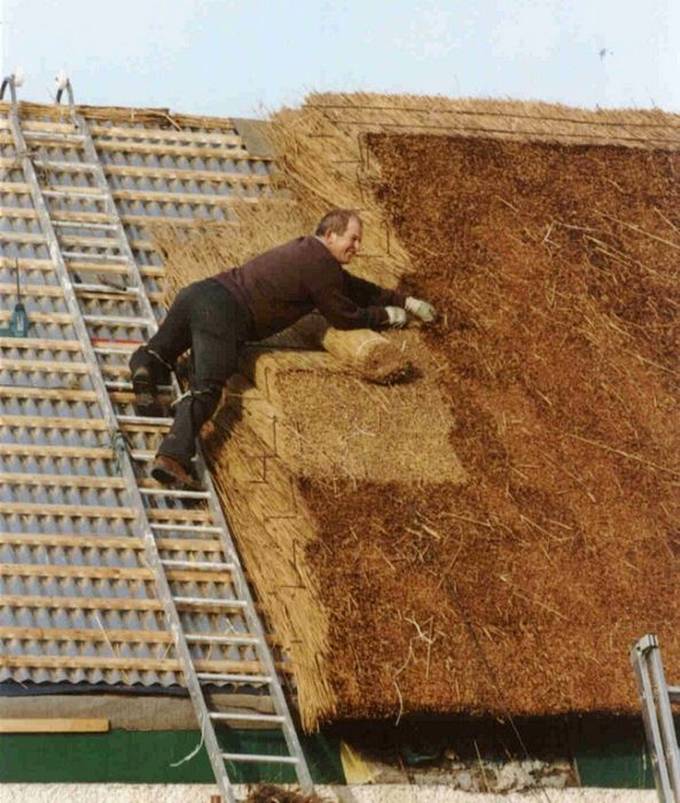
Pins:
x,y
656,697
250,640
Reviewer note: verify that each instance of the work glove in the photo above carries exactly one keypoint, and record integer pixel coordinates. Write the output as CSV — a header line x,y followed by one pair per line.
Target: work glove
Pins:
x,y
397,317
421,309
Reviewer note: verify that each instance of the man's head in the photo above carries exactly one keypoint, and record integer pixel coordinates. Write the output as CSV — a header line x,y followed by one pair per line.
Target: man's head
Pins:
x,y
340,231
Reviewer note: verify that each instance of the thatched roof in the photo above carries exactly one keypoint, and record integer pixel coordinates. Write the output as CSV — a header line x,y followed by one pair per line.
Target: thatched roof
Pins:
x,y
547,237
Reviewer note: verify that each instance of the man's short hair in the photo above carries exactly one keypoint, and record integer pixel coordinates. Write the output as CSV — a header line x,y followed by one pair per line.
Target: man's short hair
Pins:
x,y
336,221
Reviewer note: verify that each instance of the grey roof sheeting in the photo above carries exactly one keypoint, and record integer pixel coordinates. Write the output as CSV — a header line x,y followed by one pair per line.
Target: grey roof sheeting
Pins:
x,y
77,602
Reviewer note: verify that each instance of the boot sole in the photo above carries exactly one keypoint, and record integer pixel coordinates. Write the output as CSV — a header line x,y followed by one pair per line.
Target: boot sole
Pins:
x,y
167,478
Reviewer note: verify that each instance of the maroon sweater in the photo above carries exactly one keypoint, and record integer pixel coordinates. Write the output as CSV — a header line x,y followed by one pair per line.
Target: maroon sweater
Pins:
x,y
281,285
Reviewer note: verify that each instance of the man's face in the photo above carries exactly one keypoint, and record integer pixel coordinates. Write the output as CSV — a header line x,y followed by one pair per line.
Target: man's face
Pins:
x,y
344,246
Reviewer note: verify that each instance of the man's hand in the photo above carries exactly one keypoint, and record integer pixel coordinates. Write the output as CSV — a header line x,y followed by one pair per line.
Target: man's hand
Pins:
x,y
421,309
397,317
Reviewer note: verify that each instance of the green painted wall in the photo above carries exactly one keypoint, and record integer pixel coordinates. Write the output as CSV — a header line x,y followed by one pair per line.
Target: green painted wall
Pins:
x,y
145,757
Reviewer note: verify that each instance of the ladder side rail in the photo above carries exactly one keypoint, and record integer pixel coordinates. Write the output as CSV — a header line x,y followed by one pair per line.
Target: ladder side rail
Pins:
x,y
140,524
655,746
668,732
225,536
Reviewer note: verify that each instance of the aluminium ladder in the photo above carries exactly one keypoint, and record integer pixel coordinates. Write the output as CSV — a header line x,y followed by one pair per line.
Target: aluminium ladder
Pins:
x,y
657,697
117,302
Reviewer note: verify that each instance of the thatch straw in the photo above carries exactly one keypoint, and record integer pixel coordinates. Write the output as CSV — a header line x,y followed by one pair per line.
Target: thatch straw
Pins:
x,y
555,271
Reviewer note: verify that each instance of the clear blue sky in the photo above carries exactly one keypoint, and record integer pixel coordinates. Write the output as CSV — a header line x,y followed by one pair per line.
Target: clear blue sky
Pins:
x,y
245,57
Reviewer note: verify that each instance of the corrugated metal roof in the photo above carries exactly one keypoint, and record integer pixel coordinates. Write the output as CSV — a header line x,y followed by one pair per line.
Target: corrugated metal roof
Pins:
x,y
77,602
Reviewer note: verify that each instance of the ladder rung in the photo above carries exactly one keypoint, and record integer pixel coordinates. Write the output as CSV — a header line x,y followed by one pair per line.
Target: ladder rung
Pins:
x,y
105,288
275,718
223,603
202,528
259,759
175,493
674,693
200,565
201,638
142,455
141,419
103,257
120,320
230,678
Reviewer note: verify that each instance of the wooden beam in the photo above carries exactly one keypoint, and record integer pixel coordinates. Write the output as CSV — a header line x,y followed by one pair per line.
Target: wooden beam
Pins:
x,y
110,662
40,344
95,541
196,151
53,422
165,134
15,187
96,604
23,237
58,394
40,317
85,241
47,366
72,511
82,634
80,603
128,573
186,174
191,198
41,450
53,725
163,514
17,212
60,480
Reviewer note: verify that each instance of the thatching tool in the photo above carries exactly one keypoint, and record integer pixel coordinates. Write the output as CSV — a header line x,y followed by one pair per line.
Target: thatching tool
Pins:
x,y
19,322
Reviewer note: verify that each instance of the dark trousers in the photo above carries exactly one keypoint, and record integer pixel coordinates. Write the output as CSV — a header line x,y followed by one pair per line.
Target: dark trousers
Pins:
x,y
205,318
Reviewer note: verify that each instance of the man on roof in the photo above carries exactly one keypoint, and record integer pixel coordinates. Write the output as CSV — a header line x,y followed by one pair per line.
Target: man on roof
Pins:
x,y
215,316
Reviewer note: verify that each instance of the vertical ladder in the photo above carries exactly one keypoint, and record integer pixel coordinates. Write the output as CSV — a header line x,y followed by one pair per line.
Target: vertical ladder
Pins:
x,y
100,312
656,697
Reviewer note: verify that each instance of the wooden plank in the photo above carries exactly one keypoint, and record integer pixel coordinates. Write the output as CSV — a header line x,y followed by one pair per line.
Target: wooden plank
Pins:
x,y
60,480
54,725
196,151
194,198
96,541
165,134
23,237
45,265
40,317
96,604
47,366
72,189
60,394
147,220
41,450
40,343
53,422
105,662
186,174
72,511
32,290
17,212
127,573
15,187
85,634
80,603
